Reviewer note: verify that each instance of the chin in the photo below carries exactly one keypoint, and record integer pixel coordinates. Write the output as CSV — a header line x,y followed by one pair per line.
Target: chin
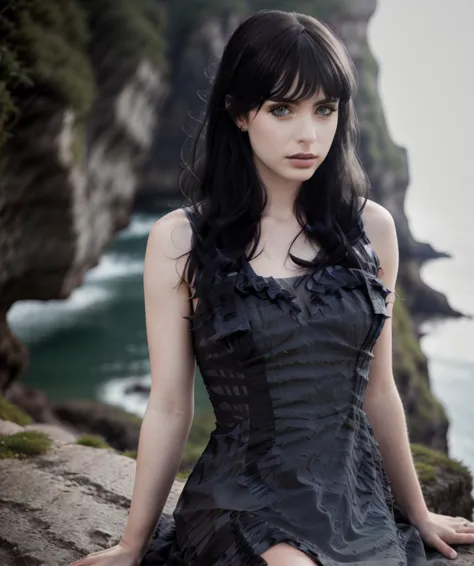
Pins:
x,y
301,176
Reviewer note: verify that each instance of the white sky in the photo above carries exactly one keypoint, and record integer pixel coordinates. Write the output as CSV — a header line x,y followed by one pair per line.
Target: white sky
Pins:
x,y
426,52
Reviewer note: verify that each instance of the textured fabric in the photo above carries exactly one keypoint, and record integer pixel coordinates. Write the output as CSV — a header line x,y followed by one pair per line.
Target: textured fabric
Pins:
x,y
293,457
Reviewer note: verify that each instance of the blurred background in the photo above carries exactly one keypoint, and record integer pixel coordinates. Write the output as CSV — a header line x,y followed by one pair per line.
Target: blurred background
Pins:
x,y
95,100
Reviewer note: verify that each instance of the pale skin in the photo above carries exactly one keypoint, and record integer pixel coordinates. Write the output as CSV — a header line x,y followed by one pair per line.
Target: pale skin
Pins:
x,y
274,135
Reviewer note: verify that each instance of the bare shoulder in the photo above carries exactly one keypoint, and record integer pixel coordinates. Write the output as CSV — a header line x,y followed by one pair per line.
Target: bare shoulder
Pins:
x,y
378,221
168,244
380,228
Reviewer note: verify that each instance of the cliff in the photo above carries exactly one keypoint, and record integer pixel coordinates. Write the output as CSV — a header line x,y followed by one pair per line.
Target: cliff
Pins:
x,y
78,125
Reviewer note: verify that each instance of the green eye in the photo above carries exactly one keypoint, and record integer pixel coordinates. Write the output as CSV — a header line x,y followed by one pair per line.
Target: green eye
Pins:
x,y
276,111
330,110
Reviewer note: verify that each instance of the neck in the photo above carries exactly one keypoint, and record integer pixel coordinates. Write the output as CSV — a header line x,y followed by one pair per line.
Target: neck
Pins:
x,y
281,194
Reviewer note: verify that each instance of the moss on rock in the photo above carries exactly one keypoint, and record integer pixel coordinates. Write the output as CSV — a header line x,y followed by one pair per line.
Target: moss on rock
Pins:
x,y
130,454
10,412
52,48
24,444
446,482
425,414
92,440
430,463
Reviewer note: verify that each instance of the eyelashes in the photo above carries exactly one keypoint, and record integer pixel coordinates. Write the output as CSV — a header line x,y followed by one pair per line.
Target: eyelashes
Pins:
x,y
330,109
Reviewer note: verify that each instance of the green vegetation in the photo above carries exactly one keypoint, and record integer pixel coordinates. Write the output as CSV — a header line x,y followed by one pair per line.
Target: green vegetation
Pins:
x,y
92,440
45,40
12,413
24,444
430,464
130,454
56,50
409,366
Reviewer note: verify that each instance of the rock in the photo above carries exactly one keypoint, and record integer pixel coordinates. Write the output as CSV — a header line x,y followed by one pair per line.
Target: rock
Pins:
x,y
74,500
7,428
69,169
33,402
137,388
57,433
119,428
65,504
447,483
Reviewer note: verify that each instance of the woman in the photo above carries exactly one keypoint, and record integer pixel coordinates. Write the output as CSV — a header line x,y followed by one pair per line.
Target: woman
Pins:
x,y
290,270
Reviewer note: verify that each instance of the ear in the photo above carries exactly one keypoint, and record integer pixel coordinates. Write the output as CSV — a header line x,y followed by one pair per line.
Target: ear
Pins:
x,y
239,121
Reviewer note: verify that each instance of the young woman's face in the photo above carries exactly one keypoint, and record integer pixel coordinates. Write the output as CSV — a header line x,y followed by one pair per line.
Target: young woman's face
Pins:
x,y
291,140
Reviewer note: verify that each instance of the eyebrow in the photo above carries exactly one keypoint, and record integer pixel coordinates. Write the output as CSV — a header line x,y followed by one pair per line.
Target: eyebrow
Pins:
x,y
293,101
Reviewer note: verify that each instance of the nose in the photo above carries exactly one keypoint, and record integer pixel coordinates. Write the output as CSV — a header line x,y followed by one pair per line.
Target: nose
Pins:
x,y
307,130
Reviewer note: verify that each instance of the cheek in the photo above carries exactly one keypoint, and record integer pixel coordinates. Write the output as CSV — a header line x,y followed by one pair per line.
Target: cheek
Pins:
x,y
327,136
266,137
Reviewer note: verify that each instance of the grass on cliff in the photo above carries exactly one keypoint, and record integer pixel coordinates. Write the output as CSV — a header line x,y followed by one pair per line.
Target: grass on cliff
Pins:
x,y
56,50
409,363
12,413
430,463
24,444
92,440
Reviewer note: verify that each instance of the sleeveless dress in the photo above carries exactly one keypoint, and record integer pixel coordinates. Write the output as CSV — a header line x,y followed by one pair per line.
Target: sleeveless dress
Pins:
x,y
293,457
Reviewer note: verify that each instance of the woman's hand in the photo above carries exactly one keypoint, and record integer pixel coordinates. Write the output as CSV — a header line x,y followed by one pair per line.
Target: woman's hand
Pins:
x,y
119,555
439,531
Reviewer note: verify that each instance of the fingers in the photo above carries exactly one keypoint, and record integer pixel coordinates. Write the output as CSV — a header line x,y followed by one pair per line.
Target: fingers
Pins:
x,y
464,537
444,548
465,529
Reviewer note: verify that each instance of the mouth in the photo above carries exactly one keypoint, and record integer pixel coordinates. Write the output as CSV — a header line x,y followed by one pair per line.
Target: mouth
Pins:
x,y
308,156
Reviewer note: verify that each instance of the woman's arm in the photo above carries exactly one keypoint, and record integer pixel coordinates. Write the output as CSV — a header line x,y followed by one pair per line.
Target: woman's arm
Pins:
x,y
382,401
170,407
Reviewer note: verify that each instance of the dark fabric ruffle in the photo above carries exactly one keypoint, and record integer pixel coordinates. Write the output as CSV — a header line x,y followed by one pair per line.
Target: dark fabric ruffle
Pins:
x,y
228,309
163,549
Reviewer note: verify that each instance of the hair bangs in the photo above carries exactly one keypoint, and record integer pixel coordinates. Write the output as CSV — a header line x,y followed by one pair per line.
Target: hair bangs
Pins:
x,y
309,68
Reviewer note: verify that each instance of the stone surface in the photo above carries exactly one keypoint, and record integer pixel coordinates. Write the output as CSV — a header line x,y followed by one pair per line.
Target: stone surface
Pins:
x,y
72,501
65,504
58,433
7,427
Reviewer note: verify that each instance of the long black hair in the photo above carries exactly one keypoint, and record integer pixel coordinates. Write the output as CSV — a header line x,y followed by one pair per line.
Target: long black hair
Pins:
x,y
279,56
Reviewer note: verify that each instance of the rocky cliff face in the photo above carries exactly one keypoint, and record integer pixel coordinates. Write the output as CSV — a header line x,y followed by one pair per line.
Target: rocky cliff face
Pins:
x,y
385,163
65,192
68,180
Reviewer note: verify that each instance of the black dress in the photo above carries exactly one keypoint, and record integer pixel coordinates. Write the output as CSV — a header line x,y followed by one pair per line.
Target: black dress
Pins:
x,y
293,457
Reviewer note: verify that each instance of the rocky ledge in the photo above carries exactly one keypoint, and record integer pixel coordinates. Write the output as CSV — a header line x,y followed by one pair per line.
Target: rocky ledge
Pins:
x,y
67,499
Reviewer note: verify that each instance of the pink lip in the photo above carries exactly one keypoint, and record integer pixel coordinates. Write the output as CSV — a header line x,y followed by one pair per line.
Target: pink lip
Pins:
x,y
303,156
